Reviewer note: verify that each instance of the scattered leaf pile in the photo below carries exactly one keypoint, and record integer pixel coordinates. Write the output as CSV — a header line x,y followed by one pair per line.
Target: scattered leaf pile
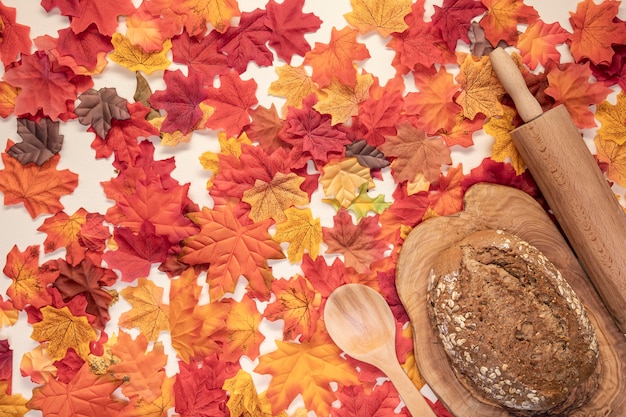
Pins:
x,y
341,133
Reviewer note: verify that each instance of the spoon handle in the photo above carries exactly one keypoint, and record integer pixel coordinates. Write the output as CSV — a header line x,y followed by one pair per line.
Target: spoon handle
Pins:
x,y
413,399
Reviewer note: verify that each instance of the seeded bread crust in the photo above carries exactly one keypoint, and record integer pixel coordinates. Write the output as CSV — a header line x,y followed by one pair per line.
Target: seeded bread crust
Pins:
x,y
512,327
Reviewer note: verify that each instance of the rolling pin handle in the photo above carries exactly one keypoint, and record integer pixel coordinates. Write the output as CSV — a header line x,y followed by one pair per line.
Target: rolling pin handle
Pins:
x,y
513,82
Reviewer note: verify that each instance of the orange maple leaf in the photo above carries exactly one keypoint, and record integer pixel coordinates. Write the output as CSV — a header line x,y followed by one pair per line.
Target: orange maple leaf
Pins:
x,y
572,88
538,43
307,369
215,12
336,59
242,330
30,281
500,22
434,103
297,303
141,371
8,94
415,153
595,30
85,395
63,231
447,199
39,188
231,249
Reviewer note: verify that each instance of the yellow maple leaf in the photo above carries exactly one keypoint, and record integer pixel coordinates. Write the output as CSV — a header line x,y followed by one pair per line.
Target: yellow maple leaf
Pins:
x,y
294,83
410,365
342,101
228,146
147,313
216,12
503,148
135,58
613,127
480,89
8,313
242,330
342,179
363,203
11,405
271,199
614,156
384,16
63,330
244,401
8,94
301,231
159,407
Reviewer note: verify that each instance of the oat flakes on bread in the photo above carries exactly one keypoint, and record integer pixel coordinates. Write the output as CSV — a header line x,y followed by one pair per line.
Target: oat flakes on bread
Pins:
x,y
512,327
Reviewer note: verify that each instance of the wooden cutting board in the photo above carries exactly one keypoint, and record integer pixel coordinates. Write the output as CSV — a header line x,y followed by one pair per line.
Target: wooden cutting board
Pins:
x,y
489,206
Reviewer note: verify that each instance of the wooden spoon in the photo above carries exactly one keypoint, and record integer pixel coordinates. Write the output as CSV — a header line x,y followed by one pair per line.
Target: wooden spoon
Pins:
x,y
360,322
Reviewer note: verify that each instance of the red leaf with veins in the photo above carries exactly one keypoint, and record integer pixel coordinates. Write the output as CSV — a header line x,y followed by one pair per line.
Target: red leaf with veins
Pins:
x,y
181,100
200,55
289,25
355,402
454,18
103,13
67,7
84,46
15,37
246,42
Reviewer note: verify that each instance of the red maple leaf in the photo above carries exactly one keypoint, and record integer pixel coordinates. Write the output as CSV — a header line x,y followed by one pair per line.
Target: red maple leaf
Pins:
x,y
264,128
87,279
326,278
246,42
200,54
447,196
454,18
136,253
43,89
406,210
312,135
6,364
69,366
355,401
181,100
503,173
387,286
231,100
93,235
615,72
288,25
15,37
103,13
378,116
359,244
66,7
84,46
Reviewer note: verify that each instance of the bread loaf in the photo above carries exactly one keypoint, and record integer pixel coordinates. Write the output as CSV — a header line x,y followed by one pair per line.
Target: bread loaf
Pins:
x,y
512,327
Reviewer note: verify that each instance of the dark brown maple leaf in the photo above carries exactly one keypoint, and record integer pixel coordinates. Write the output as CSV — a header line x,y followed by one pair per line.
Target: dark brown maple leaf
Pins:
x,y
99,108
40,141
367,155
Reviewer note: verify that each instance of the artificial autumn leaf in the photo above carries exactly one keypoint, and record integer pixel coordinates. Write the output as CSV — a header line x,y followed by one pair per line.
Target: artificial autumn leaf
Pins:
x,y
69,366
503,148
538,43
232,101
612,118
85,395
295,84
342,101
379,116
30,281
311,135
571,87
160,407
500,21
243,335
243,399
40,141
63,232
479,45
136,253
143,92
228,146
84,46
415,153
307,369
462,132
363,203
264,128
336,58
480,89
102,13
174,138
39,188
366,154
453,19
8,94
288,25
301,231
217,13
434,103
297,303
6,364
200,55
595,30
232,249
63,330
147,313
135,58
11,405
38,366
246,42
269,200
87,278
384,17
447,198
342,178
614,155
99,108
359,244
42,88
355,401
15,37
142,371
8,313
148,30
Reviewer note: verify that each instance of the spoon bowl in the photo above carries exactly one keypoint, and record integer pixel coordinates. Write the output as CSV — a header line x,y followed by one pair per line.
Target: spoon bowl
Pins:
x,y
360,322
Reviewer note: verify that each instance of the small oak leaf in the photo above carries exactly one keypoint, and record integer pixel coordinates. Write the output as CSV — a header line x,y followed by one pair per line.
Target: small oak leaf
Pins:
x,y
63,330
342,101
500,128
293,83
135,58
301,231
342,178
271,199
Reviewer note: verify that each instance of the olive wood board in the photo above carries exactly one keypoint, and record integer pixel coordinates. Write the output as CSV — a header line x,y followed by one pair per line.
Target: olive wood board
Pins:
x,y
498,207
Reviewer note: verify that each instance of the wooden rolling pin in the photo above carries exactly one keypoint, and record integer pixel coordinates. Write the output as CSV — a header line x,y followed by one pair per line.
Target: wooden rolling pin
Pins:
x,y
573,185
